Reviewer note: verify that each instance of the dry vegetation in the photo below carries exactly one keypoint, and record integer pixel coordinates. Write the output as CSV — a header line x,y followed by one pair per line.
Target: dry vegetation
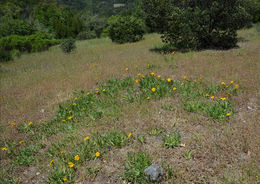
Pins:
x,y
211,151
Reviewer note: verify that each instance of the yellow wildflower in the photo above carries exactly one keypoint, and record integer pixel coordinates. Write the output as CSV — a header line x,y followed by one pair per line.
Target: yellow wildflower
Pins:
x,y
61,152
174,88
223,83
70,111
231,82
70,117
71,164
223,99
75,98
20,142
64,179
76,157
212,97
4,148
148,98
152,74
236,86
185,77
228,114
51,162
182,84
63,121
30,123
126,69
13,124
139,75
104,90
86,138
130,134
173,52
97,154
74,104
153,89
207,95
143,76
169,79
159,76
136,80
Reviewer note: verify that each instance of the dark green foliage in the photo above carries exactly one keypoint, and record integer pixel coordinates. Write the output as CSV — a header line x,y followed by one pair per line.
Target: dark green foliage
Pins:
x,y
61,21
197,24
85,35
157,14
15,27
68,45
253,9
5,56
33,43
124,29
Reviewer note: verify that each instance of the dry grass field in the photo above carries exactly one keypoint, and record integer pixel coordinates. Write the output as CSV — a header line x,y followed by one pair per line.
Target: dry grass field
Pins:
x,y
56,127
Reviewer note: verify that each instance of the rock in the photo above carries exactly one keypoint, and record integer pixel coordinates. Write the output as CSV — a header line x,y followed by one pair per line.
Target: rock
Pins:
x,y
154,172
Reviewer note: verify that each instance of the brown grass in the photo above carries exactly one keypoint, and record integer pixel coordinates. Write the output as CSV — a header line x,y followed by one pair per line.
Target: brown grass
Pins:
x,y
226,152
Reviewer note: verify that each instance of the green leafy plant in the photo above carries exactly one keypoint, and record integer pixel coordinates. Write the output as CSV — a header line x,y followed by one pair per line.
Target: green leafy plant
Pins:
x,y
172,140
155,131
124,29
197,24
135,166
68,45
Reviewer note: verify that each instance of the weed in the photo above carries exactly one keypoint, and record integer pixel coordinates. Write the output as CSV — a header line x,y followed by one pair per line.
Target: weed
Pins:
x,y
155,131
141,139
188,154
168,107
173,66
135,166
172,140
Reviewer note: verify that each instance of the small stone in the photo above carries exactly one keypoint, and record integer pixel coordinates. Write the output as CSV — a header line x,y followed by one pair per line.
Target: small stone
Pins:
x,y
42,110
154,172
37,173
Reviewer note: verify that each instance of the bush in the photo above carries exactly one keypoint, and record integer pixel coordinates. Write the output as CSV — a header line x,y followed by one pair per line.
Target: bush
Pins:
x,y
86,35
253,8
68,45
200,24
33,43
15,53
125,29
5,56
16,27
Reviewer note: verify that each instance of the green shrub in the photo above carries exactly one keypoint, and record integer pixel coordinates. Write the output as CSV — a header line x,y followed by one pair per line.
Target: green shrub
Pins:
x,y
16,27
15,53
32,43
68,45
5,56
199,24
253,8
124,29
85,35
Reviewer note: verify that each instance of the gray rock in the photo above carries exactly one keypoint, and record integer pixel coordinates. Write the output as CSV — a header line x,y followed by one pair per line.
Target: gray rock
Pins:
x,y
154,172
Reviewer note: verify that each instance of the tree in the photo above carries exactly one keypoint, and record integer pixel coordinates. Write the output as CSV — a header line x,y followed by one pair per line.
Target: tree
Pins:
x,y
197,24
124,29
